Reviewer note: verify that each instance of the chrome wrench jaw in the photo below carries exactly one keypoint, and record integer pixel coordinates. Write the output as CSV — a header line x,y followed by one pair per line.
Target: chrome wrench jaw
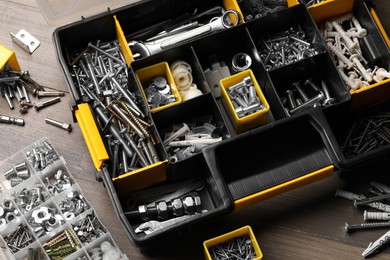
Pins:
x,y
145,49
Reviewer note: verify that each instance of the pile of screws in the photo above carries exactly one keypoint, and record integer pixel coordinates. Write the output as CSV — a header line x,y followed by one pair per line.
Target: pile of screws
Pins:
x,y
100,73
253,9
8,212
58,182
19,239
286,47
105,251
158,92
18,85
237,248
42,155
28,198
88,229
342,37
188,139
73,205
297,98
244,97
17,173
369,131
381,219
62,245
44,220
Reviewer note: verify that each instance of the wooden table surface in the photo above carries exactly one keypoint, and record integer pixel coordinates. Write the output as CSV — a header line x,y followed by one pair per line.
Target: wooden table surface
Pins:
x,y
307,223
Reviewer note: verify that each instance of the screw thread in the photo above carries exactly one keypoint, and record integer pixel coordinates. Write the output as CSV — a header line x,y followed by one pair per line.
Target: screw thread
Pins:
x,y
140,123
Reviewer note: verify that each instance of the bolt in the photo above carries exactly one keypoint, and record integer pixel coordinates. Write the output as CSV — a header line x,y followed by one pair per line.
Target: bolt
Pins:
x,y
107,54
351,227
310,103
369,200
301,93
67,127
11,120
328,99
246,81
291,101
49,94
46,103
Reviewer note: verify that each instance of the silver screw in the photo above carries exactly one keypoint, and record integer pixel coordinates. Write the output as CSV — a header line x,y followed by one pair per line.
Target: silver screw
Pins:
x,y
46,103
351,227
50,94
67,127
311,102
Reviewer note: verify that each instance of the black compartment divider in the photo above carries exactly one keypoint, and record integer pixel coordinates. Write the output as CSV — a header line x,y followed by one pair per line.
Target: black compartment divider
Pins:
x,y
272,155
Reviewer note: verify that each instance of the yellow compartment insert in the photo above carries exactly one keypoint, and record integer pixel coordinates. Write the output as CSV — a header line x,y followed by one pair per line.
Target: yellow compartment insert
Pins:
x,y
245,230
160,69
8,56
250,121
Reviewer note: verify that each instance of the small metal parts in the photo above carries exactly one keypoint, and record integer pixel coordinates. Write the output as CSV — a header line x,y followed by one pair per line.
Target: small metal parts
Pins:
x,y
241,61
17,173
44,220
65,126
28,198
88,228
25,40
106,251
244,97
236,248
368,131
342,36
253,9
42,155
11,120
182,75
34,254
152,226
286,47
312,2
19,238
158,92
58,182
187,139
8,212
306,94
63,244
46,103
73,205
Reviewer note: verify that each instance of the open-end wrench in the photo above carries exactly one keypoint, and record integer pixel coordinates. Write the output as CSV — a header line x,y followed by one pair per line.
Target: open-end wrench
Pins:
x,y
153,225
144,49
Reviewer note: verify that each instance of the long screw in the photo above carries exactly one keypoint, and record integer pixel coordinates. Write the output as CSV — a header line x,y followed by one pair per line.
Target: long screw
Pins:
x,y
351,227
46,103
67,127
369,200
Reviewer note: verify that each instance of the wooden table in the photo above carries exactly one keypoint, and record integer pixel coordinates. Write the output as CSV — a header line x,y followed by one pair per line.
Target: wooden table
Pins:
x,y
307,223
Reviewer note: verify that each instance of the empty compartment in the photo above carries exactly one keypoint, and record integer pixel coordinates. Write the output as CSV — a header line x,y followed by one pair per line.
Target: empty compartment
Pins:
x,y
293,37
364,45
281,156
158,86
316,78
246,104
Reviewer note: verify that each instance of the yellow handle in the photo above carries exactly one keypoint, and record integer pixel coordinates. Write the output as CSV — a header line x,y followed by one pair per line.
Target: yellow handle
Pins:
x,y
284,187
91,135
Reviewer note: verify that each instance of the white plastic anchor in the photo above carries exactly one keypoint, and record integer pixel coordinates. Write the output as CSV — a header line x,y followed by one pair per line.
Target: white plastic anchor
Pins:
x,y
382,73
181,132
343,18
339,55
350,44
361,31
366,75
376,216
353,84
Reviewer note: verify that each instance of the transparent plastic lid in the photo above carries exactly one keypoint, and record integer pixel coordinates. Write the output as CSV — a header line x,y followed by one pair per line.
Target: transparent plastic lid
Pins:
x,y
61,12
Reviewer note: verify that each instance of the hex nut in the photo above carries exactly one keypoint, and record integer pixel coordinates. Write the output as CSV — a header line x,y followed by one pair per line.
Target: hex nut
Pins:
x,y
177,207
8,205
10,216
162,210
189,206
143,212
198,204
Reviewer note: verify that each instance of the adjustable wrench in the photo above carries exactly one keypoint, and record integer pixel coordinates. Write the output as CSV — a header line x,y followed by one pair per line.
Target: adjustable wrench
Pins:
x,y
144,49
153,225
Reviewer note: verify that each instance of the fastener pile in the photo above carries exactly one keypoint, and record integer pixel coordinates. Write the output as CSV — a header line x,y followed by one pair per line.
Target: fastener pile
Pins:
x,y
378,219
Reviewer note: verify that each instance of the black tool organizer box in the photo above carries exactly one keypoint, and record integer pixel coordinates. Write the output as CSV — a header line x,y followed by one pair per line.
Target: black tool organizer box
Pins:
x,y
285,153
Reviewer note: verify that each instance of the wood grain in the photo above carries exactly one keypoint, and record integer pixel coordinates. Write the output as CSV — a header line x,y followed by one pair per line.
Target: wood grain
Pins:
x,y
303,224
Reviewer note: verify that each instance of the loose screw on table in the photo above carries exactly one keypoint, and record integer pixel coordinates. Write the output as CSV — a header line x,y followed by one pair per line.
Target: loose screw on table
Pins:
x,y
67,127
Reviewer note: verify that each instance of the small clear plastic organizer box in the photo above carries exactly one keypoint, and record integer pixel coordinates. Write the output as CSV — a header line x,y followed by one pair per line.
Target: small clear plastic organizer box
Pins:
x,y
43,210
